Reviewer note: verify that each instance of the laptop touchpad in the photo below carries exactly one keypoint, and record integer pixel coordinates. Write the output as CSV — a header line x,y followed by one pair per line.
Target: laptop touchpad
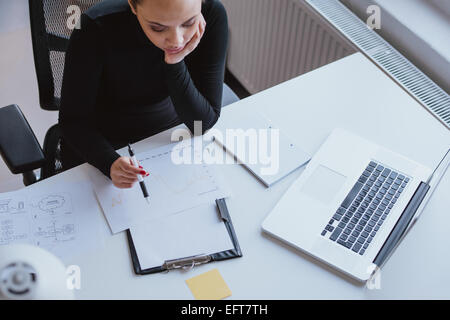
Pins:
x,y
323,184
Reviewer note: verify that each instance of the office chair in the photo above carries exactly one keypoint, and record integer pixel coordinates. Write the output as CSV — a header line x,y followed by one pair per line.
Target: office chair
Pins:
x,y
21,151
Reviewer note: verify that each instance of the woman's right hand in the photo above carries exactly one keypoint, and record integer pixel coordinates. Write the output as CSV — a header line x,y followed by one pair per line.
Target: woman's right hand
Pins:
x,y
124,174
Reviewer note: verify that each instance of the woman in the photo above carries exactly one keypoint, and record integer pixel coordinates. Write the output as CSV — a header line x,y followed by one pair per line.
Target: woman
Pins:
x,y
135,68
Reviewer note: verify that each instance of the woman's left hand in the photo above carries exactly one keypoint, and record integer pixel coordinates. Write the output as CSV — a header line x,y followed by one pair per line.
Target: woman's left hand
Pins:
x,y
190,46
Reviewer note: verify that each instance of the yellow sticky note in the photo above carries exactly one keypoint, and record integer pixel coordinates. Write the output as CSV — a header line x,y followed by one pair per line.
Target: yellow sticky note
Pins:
x,y
209,286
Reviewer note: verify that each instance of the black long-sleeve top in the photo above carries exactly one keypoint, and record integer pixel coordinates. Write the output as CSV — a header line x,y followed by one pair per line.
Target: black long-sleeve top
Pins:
x,y
117,86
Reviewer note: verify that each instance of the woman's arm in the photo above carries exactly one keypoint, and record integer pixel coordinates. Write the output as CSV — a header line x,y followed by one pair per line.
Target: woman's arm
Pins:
x,y
81,84
195,85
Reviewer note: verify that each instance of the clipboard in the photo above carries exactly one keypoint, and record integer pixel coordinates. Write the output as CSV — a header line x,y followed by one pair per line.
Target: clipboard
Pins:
x,y
191,261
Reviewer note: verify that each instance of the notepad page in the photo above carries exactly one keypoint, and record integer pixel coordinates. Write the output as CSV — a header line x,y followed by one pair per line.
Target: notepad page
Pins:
x,y
172,187
62,218
261,146
197,231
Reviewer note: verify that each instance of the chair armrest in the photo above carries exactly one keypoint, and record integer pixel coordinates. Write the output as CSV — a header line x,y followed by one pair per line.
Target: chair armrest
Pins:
x,y
19,147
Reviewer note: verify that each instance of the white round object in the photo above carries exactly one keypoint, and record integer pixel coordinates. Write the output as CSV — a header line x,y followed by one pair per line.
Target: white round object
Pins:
x,y
29,272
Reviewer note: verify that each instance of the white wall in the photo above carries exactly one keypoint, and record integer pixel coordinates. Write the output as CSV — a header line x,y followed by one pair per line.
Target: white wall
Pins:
x,y
418,29
13,15
443,5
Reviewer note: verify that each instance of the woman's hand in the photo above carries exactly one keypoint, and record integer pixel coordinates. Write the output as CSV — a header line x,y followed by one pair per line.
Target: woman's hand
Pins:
x,y
124,174
190,46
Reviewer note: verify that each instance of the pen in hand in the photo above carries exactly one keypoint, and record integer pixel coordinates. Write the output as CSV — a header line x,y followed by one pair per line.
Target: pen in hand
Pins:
x,y
141,180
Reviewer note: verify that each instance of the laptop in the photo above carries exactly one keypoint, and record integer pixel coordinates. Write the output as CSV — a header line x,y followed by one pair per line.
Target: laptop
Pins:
x,y
351,205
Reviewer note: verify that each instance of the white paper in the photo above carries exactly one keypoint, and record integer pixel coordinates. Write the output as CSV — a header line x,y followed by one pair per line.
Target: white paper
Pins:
x,y
122,207
172,188
64,219
196,231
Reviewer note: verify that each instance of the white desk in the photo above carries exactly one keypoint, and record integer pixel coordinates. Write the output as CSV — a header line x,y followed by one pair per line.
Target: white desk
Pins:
x,y
350,93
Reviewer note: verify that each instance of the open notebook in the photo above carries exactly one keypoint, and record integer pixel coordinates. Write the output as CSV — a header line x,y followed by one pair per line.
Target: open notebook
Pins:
x,y
260,145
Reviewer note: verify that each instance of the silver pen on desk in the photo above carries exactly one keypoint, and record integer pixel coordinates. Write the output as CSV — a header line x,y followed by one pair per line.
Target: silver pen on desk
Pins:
x,y
141,180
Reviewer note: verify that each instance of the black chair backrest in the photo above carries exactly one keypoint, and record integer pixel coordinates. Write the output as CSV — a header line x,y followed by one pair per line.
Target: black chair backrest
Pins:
x,y
52,22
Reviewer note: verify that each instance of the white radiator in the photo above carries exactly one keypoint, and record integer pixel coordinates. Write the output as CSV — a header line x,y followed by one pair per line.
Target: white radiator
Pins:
x,y
272,41
432,97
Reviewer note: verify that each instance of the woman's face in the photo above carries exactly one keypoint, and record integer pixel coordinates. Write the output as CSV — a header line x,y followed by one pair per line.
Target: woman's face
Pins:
x,y
169,24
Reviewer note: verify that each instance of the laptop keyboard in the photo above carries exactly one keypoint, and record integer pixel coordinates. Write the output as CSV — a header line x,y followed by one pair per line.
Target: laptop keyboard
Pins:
x,y
361,214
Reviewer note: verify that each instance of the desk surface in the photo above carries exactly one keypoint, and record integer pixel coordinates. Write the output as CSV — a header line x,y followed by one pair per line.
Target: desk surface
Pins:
x,y
350,93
